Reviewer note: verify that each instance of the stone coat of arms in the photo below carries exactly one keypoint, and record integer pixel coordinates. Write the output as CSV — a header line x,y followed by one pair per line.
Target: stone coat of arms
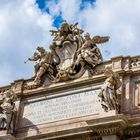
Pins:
x,y
71,54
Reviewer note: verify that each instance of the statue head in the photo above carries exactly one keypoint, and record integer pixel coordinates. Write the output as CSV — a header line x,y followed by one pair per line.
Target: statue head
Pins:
x,y
35,53
108,72
40,49
65,26
87,36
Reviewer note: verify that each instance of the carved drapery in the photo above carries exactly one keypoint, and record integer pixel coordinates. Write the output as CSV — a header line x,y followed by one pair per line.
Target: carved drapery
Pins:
x,y
137,95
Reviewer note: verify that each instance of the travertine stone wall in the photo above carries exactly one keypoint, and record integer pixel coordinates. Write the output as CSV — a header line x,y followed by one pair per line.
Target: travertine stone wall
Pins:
x,y
47,112
112,137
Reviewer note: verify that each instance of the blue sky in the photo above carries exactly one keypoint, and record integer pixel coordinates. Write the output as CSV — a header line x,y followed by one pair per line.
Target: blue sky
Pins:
x,y
58,19
25,24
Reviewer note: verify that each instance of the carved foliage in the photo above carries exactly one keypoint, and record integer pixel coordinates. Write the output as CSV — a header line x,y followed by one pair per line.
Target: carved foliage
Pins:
x,y
135,63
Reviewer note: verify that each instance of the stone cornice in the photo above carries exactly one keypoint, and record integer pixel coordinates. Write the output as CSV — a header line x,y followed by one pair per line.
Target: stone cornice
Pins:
x,y
121,65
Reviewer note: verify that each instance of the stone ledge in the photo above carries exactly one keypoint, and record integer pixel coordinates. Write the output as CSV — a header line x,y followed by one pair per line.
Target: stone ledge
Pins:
x,y
7,137
98,126
109,125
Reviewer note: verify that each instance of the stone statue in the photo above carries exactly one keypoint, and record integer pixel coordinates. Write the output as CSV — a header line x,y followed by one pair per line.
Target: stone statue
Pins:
x,y
108,94
71,54
74,51
43,64
89,52
7,112
63,34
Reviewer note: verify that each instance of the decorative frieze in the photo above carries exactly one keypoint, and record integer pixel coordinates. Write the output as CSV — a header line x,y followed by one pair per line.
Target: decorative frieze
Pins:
x,y
135,62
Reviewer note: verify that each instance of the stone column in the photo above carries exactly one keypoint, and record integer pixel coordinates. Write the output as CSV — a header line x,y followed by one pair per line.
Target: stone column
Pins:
x,y
126,96
111,137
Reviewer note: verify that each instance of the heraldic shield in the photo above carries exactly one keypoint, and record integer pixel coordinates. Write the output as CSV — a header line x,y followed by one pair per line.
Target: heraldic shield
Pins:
x,y
71,54
66,54
66,67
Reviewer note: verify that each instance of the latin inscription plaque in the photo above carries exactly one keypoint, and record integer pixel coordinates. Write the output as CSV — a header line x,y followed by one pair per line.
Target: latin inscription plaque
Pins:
x,y
61,108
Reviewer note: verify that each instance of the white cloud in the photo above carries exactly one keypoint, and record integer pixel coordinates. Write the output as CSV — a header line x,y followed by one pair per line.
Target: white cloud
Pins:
x,y
68,9
119,19
22,28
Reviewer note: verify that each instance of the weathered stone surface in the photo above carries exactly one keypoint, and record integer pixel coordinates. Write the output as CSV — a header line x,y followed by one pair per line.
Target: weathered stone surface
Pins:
x,y
112,137
64,107
61,101
7,137
88,122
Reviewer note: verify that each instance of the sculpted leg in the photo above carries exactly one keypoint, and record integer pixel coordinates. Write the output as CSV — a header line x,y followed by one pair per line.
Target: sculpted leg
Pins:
x,y
9,121
36,67
40,72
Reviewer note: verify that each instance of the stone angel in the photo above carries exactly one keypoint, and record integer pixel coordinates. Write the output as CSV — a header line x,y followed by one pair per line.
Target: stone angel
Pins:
x,y
89,52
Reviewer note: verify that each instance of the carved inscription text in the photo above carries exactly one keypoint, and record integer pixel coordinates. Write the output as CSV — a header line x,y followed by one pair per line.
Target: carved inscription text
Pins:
x,y
61,108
